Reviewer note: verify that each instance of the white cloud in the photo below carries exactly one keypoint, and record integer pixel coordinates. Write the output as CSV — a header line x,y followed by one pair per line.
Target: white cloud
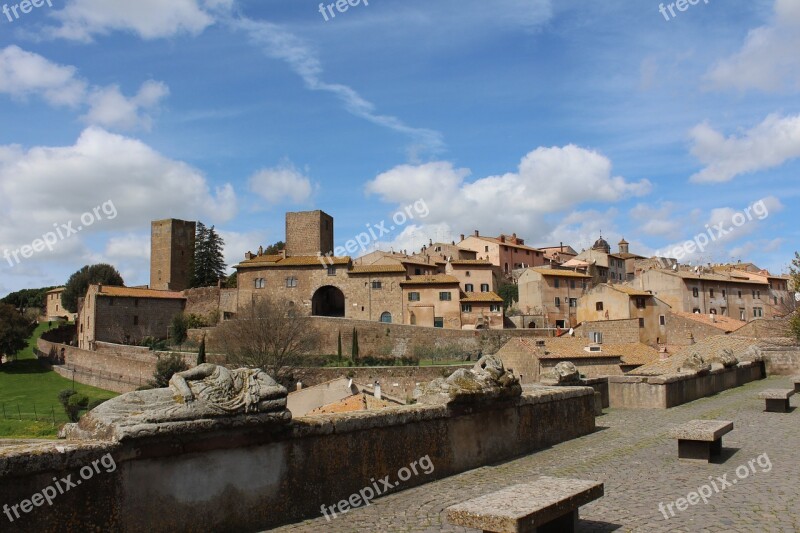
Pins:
x,y
24,74
129,246
768,60
548,180
46,186
81,20
281,183
661,220
768,145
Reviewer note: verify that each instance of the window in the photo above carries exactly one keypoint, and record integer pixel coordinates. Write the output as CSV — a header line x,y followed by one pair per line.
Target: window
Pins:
x,y
695,292
135,320
260,283
758,312
598,306
556,283
484,287
723,311
713,311
413,296
136,302
724,293
696,310
291,282
740,295
711,293
494,308
742,315
445,296
466,308
558,302
417,271
485,248
776,300
573,302
438,322
438,249
758,295
386,318
662,320
640,302
331,270
469,287
377,285
641,322
468,274
572,284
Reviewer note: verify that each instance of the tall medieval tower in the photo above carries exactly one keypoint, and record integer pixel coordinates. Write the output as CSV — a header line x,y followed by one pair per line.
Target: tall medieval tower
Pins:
x,y
309,233
171,254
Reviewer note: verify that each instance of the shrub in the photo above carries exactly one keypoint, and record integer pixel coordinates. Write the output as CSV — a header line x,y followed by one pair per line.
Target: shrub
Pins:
x,y
64,396
166,368
95,403
179,328
201,353
795,325
75,404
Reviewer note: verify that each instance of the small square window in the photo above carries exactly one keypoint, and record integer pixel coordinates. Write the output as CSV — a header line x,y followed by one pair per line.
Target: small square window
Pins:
x,y
331,270
494,308
445,296
466,308
291,282
641,322
598,306
484,287
662,320
469,287
377,285
438,322
413,296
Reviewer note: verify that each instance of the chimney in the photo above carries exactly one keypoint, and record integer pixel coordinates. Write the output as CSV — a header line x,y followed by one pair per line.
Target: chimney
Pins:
x,y
100,287
502,238
514,236
477,233
260,251
561,245
377,390
299,385
462,236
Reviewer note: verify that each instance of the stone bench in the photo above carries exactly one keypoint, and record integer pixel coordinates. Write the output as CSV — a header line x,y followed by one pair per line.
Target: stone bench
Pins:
x,y
700,440
796,381
777,400
546,505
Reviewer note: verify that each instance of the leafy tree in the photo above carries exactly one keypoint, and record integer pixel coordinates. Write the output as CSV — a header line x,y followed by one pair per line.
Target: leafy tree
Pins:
x,y
179,328
275,249
27,298
232,281
64,396
166,367
267,334
201,353
509,292
354,349
89,275
14,330
209,262
339,346
75,404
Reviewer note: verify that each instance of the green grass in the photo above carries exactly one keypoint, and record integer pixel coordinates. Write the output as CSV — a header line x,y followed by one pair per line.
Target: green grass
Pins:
x,y
30,391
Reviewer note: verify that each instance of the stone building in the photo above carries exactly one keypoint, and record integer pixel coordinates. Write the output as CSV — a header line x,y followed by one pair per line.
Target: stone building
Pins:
x,y
607,267
507,252
558,255
473,275
54,307
432,301
620,302
171,254
442,251
550,296
124,315
309,233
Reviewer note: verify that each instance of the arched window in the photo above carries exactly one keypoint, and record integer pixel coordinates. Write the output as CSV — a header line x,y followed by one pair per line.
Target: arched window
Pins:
x,y
386,318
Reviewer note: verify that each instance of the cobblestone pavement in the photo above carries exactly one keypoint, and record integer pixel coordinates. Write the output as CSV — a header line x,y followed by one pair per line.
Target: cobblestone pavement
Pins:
x,y
633,455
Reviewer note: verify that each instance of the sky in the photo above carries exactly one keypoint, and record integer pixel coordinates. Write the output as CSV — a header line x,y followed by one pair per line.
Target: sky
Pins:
x,y
407,121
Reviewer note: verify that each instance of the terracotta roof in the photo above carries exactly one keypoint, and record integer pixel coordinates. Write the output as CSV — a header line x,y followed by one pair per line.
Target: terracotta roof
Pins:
x,y
712,277
706,348
566,348
507,243
627,256
128,292
559,273
357,402
482,297
436,279
269,261
725,323
57,289
377,269
476,262
629,290
418,262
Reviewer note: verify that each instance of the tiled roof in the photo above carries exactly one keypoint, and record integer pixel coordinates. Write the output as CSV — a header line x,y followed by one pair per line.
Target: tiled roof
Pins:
x,y
476,262
629,290
705,348
57,289
436,279
128,292
357,402
713,277
627,256
269,261
567,348
377,269
725,323
559,273
481,297
507,243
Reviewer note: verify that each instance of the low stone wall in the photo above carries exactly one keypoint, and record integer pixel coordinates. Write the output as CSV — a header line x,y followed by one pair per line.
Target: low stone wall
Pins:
x,y
257,478
663,392
614,331
783,359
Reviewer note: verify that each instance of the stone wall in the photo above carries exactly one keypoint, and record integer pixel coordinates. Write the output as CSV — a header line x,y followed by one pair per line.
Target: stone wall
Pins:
x,y
614,331
210,302
782,358
766,327
682,331
258,478
663,392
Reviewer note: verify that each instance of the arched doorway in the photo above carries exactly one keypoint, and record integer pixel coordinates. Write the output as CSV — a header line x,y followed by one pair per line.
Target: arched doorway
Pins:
x,y
386,317
328,301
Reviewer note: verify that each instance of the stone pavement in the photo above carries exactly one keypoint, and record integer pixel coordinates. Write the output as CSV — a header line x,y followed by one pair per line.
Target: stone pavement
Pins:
x,y
634,456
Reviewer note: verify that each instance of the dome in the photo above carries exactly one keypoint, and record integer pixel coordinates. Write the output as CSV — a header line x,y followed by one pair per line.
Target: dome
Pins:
x,y
601,244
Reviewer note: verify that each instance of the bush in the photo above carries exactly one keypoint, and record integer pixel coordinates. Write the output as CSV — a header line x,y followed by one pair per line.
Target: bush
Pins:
x,y
64,396
166,368
95,403
75,404
179,328
154,344
795,325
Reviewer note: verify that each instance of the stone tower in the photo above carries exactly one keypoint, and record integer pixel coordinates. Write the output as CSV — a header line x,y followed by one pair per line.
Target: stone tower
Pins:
x,y
309,233
171,254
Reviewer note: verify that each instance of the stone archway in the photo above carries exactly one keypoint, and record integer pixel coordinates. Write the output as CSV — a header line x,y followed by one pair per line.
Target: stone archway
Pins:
x,y
328,301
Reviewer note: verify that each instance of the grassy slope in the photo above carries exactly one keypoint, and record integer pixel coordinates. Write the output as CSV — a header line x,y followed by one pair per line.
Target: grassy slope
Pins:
x,y
26,384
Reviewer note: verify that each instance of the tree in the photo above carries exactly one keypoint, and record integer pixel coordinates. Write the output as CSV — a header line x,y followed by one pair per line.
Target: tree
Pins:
x,y
209,263
27,298
339,346
275,249
269,335
166,367
14,330
232,281
354,349
79,282
201,352
179,328
509,292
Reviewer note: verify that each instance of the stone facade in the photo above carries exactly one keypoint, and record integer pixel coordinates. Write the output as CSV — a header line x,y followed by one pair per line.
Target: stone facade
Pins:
x,y
432,301
309,233
507,252
551,296
171,254
619,302
54,307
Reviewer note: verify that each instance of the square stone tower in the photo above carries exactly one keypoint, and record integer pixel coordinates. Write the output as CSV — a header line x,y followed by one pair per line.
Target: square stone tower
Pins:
x,y
171,254
309,233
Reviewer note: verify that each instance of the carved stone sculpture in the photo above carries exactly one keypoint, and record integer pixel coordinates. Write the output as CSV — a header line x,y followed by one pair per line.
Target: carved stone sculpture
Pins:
x,y
487,381
204,398
695,363
725,358
563,373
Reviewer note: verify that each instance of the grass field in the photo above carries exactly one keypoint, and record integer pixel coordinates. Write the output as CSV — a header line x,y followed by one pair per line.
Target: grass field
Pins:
x,y
30,392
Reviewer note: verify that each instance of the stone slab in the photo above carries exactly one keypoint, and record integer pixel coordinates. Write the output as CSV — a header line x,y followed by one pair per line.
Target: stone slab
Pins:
x,y
526,506
702,430
776,394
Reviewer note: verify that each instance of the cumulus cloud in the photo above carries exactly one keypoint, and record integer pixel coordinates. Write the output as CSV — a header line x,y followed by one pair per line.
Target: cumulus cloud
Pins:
x,y
81,20
43,187
24,74
768,60
768,145
282,183
661,219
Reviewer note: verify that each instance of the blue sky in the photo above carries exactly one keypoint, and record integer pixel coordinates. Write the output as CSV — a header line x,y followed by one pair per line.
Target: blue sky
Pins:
x,y
551,120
